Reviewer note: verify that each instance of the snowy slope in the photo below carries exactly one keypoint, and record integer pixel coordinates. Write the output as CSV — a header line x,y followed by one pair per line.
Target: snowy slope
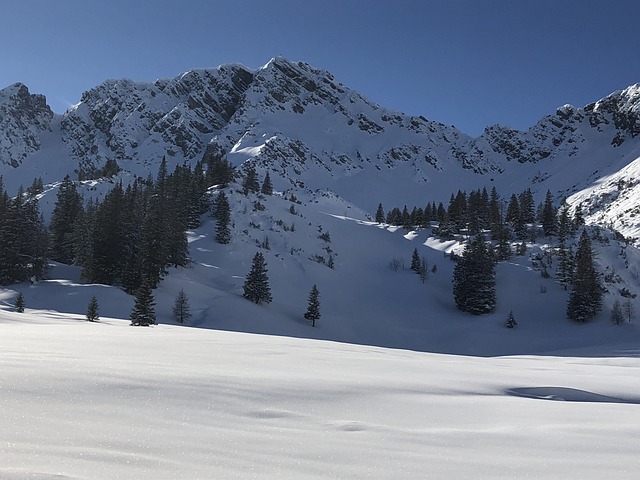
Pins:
x,y
362,299
341,155
106,401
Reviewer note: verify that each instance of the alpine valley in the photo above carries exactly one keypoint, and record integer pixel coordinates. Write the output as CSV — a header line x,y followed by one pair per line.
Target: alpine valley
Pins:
x,y
333,156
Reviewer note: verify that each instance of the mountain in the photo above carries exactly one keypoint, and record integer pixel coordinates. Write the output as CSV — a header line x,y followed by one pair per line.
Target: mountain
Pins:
x,y
302,124
332,156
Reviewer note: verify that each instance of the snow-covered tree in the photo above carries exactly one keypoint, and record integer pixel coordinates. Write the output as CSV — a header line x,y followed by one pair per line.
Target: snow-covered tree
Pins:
x,y
93,310
181,309
313,308
256,285
511,321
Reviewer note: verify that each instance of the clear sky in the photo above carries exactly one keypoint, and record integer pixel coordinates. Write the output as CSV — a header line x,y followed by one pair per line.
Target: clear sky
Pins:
x,y
470,63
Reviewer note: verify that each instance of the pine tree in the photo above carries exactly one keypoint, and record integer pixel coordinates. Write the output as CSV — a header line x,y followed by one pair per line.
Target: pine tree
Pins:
x,y
548,215
143,313
256,285
415,261
93,310
617,317
585,300
564,272
313,308
380,214
628,311
511,321
181,308
20,304
474,285
267,187
423,271
250,182
64,219
222,213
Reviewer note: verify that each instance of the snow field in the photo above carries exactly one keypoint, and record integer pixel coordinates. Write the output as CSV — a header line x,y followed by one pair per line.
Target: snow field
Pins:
x,y
106,400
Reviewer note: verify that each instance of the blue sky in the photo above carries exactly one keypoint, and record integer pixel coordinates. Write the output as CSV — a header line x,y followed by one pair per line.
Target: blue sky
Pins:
x,y
470,63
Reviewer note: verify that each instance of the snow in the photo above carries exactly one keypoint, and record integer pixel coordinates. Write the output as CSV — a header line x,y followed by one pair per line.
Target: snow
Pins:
x,y
105,400
393,380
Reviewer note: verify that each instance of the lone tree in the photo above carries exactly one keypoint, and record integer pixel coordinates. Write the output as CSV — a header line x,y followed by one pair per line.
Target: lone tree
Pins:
x,y
256,285
585,299
313,308
143,313
93,310
511,321
474,279
415,261
181,309
19,305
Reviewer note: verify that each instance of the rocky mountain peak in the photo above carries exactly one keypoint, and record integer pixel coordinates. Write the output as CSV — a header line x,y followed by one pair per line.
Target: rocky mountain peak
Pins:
x,y
23,116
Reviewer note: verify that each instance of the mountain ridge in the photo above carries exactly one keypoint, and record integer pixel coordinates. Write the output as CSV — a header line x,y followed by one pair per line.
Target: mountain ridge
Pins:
x,y
307,128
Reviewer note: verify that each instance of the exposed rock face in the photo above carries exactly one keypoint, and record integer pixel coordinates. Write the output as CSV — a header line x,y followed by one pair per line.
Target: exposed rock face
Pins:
x,y
23,117
303,125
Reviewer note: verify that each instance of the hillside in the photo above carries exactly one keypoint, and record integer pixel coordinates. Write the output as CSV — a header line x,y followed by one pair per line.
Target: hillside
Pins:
x,y
339,155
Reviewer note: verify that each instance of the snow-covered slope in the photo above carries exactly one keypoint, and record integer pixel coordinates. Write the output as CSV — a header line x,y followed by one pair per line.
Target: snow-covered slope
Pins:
x,y
306,127
102,401
341,155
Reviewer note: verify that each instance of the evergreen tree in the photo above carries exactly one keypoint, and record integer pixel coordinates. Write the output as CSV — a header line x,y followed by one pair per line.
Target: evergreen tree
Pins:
x,y
548,216
423,270
617,317
20,304
219,170
93,310
64,218
585,300
267,187
256,285
474,285
511,321
503,249
143,313
23,238
108,243
250,182
313,308
380,214
222,213
564,222
578,217
564,272
181,308
415,261
628,312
